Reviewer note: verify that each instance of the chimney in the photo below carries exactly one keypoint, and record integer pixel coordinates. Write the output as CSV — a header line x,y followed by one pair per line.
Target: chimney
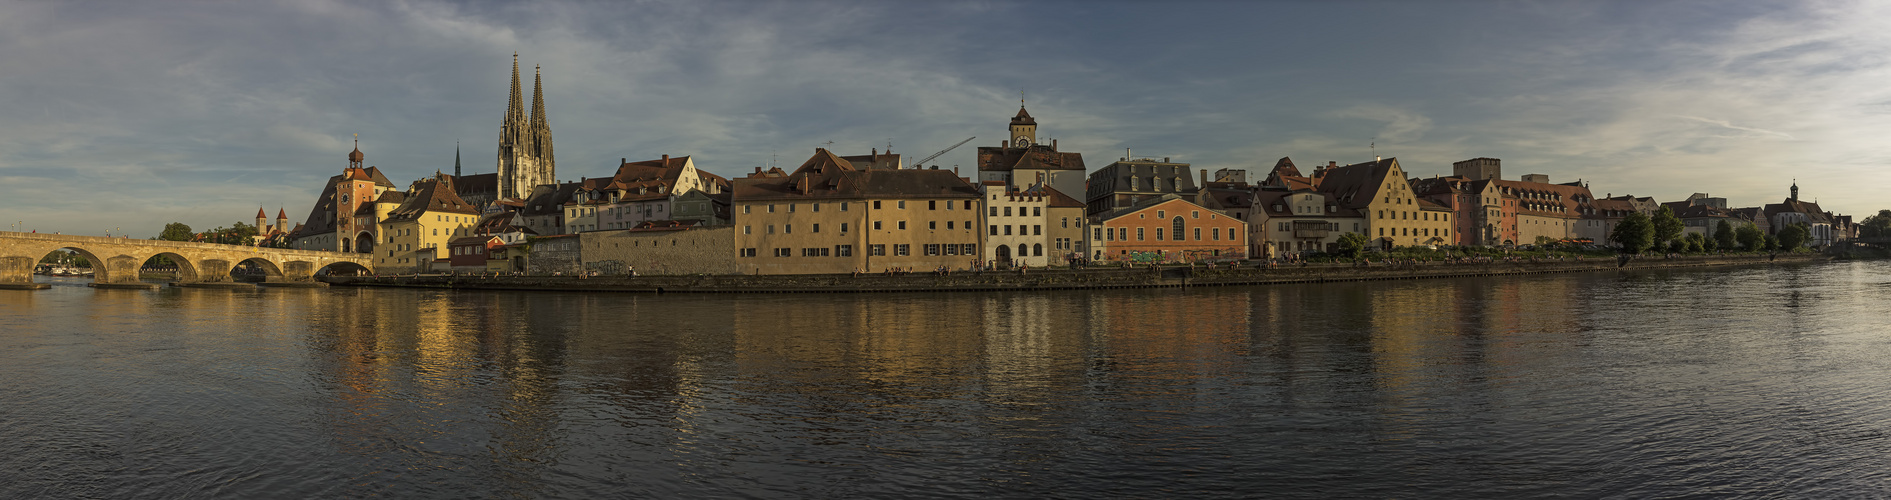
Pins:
x,y
1053,144
621,161
876,151
1331,164
1204,177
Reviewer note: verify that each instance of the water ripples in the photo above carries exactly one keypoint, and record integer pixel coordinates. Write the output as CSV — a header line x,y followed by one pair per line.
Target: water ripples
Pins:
x,y
1758,382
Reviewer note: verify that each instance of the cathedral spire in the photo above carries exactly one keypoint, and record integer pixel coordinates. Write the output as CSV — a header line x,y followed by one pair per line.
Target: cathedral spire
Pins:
x,y
541,130
456,158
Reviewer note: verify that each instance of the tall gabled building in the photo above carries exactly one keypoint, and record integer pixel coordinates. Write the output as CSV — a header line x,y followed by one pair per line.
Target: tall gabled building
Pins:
x,y
525,145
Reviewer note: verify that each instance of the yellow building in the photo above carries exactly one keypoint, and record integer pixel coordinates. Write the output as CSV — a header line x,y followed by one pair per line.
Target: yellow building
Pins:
x,y
415,233
830,217
1395,216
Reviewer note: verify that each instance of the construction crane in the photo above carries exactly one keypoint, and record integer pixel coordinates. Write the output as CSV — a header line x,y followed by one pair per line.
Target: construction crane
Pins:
x,y
922,163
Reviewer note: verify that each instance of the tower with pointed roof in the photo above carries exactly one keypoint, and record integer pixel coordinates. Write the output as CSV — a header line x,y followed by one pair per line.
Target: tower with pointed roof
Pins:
x,y
1023,128
525,145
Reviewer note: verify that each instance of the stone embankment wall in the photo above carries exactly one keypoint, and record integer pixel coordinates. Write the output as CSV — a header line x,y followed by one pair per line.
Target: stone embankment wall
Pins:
x,y
694,251
1049,280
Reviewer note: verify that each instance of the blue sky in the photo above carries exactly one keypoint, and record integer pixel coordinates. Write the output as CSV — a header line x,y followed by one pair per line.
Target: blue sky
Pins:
x,y
136,114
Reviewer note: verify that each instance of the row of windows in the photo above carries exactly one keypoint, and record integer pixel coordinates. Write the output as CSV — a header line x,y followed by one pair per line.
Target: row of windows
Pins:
x,y
1406,231
1122,234
1413,215
1035,211
789,228
1035,230
872,250
901,204
1331,226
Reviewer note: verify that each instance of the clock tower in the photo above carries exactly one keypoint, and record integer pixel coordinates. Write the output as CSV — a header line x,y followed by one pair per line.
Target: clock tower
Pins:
x,y
1023,129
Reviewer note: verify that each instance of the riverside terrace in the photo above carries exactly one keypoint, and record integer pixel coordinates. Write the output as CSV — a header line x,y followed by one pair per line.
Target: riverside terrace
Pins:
x,y
1062,279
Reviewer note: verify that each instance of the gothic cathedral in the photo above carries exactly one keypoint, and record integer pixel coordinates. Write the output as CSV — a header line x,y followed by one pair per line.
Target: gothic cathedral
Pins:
x,y
525,147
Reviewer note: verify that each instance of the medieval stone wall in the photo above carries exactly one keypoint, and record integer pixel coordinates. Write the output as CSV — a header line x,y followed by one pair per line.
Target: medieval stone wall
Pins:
x,y
685,252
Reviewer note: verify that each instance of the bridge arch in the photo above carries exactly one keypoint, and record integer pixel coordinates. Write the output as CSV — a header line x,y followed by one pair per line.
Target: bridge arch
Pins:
x,y
270,271
340,268
186,270
93,262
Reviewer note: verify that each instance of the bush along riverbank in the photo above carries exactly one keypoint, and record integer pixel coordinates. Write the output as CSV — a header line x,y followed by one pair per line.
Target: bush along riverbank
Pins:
x,y
1064,279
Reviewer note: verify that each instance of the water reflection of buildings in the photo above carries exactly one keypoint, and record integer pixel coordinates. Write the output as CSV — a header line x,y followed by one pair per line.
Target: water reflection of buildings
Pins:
x,y
458,372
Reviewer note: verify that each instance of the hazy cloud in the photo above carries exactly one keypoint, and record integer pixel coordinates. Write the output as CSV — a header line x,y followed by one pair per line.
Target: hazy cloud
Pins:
x,y
136,114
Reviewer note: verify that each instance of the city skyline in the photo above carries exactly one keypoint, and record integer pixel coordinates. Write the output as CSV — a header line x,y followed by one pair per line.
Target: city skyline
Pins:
x,y
134,116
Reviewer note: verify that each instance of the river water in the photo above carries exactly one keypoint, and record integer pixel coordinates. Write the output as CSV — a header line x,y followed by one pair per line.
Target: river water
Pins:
x,y
1730,382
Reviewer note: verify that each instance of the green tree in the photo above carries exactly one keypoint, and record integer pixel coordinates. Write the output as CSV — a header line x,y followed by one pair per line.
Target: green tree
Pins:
x,y
1667,226
1751,239
1770,243
1876,226
1724,234
1350,244
175,231
1634,234
1696,243
1792,237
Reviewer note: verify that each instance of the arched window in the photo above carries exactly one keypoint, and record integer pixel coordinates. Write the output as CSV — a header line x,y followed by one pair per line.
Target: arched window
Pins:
x,y
1037,250
1178,235
1024,250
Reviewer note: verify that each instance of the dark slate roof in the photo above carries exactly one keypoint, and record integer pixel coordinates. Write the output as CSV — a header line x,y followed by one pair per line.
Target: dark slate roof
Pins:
x,y
466,185
1023,118
318,223
1273,203
503,222
825,175
1033,157
429,196
875,161
549,199
1355,186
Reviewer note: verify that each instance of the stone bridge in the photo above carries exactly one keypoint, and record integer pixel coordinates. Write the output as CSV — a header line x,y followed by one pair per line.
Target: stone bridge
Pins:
x,y
118,260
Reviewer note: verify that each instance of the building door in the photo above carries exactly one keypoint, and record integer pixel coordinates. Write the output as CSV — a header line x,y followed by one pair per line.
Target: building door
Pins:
x,y
1004,255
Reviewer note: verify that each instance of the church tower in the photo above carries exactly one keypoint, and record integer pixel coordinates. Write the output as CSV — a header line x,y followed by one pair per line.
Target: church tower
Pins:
x,y
525,147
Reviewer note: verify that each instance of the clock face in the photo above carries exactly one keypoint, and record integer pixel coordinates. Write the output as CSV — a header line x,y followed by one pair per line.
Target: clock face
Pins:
x,y
1022,142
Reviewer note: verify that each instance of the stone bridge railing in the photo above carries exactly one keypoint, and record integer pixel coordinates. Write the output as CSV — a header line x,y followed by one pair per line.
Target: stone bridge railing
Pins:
x,y
118,260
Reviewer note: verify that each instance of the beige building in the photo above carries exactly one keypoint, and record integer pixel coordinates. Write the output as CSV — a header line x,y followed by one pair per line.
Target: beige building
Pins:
x,y
418,230
1036,226
1380,192
831,217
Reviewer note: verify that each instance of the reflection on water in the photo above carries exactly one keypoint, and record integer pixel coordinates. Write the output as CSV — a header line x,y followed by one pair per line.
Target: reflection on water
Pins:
x,y
1750,381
